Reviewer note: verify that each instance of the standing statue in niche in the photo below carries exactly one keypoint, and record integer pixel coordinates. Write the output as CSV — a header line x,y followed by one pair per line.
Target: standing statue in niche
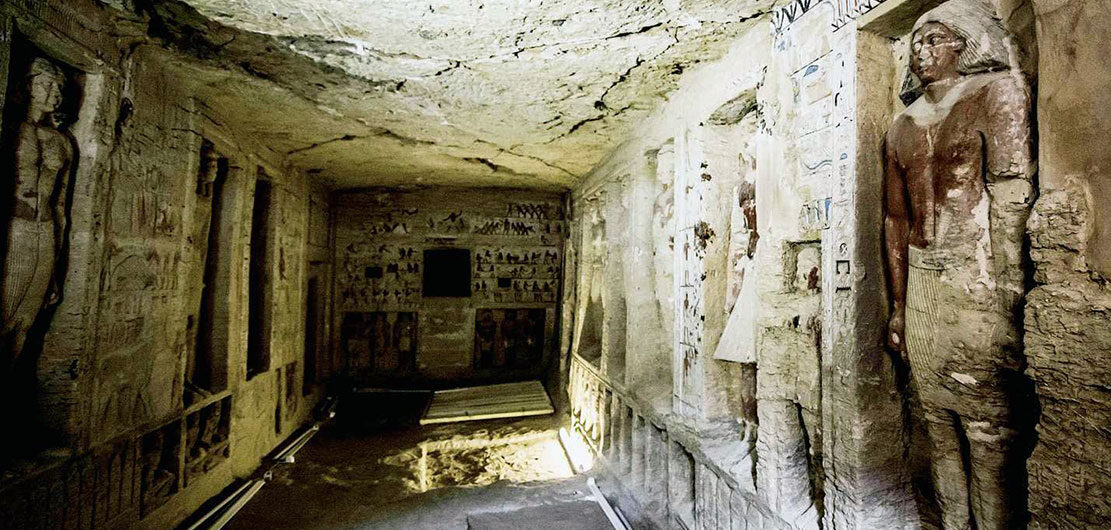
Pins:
x,y
44,157
958,177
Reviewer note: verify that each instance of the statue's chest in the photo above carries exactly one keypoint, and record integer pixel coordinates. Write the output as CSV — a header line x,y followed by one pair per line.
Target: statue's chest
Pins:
x,y
53,154
950,137
943,148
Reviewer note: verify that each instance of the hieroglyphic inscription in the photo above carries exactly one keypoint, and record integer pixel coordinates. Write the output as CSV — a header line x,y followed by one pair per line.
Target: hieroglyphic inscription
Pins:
x,y
516,274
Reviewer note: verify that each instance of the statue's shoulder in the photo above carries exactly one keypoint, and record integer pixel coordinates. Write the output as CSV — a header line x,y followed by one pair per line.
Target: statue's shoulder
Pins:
x,y
1008,86
905,119
1005,83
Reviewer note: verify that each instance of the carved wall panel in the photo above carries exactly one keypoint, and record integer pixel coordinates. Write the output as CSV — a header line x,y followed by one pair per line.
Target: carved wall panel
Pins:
x,y
509,338
514,240
516,274
159,466
207,439
379,342
100,490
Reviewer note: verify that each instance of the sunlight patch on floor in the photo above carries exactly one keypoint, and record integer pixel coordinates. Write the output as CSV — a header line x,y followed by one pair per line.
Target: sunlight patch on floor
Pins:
x,y
484,457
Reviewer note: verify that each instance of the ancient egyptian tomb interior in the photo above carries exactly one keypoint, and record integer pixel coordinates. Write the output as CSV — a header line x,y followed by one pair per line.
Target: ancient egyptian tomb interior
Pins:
x,y
555,264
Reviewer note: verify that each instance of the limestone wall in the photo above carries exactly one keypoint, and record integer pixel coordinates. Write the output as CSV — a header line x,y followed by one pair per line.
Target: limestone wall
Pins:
x,y
391,326
121,428
1068,345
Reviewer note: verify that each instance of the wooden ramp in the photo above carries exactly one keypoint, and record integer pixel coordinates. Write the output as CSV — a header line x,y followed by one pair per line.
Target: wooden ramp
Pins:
x,y
509,400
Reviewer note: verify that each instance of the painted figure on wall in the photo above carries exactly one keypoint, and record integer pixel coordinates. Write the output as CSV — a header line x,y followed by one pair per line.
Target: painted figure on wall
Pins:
x,y
406,331
44,159
958,178
486,330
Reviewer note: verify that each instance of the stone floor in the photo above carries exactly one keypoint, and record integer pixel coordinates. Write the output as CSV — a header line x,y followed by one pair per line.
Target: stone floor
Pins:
x,y
381,473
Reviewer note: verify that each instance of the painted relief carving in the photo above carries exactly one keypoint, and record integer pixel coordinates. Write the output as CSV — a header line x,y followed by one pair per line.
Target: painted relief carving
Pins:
x,y
516,274
39,222
206,439
512,338
158,475
380,276
958,173
379,342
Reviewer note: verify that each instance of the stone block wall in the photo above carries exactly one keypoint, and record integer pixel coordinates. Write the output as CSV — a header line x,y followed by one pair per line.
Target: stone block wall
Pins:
x,y
122,431
503,322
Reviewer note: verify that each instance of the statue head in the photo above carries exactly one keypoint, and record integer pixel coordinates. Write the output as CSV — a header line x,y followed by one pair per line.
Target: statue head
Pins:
x,y
957,38
45,81
935,52
210,168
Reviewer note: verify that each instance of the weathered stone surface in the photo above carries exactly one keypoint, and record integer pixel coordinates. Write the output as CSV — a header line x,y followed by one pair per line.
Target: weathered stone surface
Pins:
x,y
110,382
1067,343
489,93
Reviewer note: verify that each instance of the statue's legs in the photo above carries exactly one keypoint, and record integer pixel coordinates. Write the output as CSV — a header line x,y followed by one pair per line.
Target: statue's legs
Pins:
x,y
977,339
990,444
956,349
27,271
925,352
947,468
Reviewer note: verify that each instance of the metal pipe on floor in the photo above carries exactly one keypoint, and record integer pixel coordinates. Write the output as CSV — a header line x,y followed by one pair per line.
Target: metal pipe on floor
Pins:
x,y
245,492
286,454
611,514
239,503
215,509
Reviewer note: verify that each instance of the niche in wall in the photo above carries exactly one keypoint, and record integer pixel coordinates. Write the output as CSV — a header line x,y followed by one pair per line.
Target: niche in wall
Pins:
x,y
313,331
206,364
38,157
258,320
290,393
447,273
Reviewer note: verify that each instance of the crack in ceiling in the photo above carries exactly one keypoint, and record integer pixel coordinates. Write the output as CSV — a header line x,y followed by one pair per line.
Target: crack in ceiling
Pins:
x,y
527,93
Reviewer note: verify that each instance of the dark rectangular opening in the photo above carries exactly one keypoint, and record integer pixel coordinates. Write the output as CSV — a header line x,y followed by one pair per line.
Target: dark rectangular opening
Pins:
x,y
447,273
258,321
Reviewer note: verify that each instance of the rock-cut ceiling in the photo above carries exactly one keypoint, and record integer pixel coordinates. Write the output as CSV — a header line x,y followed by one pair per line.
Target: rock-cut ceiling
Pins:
x,y
460,92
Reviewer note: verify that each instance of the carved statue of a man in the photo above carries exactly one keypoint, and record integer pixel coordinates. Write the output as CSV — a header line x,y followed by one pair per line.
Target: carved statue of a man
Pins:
x,y
958,173
43,161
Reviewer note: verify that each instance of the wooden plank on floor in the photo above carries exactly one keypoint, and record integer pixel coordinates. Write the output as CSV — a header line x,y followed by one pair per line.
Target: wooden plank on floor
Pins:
x,y
508,400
